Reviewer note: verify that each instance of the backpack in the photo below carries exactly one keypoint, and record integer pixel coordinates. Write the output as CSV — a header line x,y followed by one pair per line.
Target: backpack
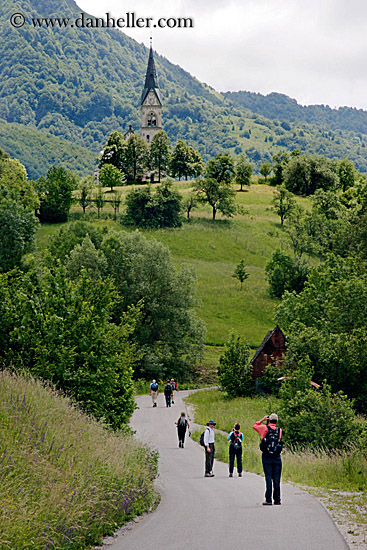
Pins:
x,y
168,389
202,438
154,386
270,444
236,441
182,422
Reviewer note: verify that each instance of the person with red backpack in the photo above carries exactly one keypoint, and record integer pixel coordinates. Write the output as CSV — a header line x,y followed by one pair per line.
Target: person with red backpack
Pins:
x,y
271,447
235,437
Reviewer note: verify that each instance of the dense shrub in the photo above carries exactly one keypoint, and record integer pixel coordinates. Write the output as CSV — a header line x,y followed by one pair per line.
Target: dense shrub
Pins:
x,y
234,370
161,209
285,273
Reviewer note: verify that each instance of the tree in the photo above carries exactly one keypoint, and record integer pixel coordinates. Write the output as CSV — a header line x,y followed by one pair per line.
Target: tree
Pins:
x,y
304,174
56,194
234,370
196,165
220,196
60,330
86,258
243,171
136,157
346,174
180,160
116,203
14,185
99,199
161,209
265,169
280,161
326,322
114,152
283,203
285,273
160,153
189,203
240,272
110,176
17,232
84,191
221,168
168,332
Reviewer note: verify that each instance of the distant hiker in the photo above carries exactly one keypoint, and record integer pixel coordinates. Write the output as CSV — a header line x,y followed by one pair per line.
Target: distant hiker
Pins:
x,y
209,448
182,425
174,389
168,393
153,392
235,437
271,447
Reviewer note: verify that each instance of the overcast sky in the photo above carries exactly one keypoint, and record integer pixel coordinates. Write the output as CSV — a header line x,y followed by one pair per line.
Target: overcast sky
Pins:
x,y
315,51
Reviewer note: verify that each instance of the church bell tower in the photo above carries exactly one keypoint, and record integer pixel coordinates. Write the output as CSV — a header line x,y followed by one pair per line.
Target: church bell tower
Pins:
x,y
151,102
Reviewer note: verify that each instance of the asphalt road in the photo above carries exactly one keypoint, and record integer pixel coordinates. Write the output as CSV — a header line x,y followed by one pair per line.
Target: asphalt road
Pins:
x,y
197,513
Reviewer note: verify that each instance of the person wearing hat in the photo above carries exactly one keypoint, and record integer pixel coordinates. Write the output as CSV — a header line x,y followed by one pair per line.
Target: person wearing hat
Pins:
x,y
153,392
174,388
209,448
272,463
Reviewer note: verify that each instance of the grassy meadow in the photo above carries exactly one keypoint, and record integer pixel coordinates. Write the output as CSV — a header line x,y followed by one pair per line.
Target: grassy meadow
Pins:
x,y
66,481
214,249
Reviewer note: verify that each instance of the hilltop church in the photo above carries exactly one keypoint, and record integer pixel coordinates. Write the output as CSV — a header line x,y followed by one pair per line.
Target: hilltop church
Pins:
x,y
151,103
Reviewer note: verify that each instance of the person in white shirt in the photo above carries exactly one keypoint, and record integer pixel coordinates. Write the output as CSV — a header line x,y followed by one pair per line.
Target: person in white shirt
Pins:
x,y
209,448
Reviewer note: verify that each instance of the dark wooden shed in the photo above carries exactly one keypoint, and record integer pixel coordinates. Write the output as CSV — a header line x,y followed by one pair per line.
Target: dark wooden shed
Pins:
x,y
272,347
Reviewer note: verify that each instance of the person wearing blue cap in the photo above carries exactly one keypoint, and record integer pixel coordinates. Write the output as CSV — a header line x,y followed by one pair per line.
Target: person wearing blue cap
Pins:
x,y
209,448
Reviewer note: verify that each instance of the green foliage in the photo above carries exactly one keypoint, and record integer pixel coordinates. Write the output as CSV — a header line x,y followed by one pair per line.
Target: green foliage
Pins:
x,y
167,332
55,192
285,273
180,160
85,187
283,203
160,154
136,157
265,169
327,323
346,174
234,370
243,171
240,272
220,196
221,168
17,231
110,176
318,419
86,258
60,331
303,174
14,185
114,152
161,209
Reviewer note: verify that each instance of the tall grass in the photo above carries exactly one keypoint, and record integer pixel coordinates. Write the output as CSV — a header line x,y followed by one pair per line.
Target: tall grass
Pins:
x,y
341,470
66,481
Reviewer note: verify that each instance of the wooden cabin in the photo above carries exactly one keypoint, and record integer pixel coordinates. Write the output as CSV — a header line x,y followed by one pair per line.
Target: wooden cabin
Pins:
x,y
272,347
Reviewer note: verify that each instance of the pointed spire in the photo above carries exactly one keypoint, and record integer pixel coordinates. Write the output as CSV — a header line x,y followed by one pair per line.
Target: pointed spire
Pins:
x,y
151,80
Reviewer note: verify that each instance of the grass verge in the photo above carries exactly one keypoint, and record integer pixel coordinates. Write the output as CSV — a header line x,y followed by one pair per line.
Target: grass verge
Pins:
x,y
66,481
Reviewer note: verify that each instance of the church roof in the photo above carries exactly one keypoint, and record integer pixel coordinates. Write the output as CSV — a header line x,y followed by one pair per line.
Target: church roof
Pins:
x,y
151,80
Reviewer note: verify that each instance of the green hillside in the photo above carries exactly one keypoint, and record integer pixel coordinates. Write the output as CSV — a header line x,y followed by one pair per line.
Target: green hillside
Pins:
x,y
41,150
82,84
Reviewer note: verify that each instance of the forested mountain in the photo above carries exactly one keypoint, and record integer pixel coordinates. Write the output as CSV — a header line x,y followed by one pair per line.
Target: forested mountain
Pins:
x,y
281,107
82,84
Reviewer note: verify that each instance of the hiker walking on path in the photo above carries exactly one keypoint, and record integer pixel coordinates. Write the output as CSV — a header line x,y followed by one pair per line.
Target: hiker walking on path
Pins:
x,y
235,437
182,425
271,447
209,448
168,393
174,389
153,392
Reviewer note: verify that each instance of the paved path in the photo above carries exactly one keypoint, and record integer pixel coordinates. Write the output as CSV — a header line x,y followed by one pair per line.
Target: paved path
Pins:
x,y
198,513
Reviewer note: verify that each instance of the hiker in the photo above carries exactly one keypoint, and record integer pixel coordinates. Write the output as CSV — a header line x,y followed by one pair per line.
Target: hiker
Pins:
x,y
174,388
271,447
209,448
168,393
235,437
182,425
153,392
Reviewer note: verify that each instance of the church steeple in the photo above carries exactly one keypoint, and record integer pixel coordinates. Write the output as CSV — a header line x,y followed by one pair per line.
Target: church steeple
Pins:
x,y
151,102
151,80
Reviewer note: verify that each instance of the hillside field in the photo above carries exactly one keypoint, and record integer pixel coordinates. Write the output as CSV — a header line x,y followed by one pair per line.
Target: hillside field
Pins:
x,y
214,249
